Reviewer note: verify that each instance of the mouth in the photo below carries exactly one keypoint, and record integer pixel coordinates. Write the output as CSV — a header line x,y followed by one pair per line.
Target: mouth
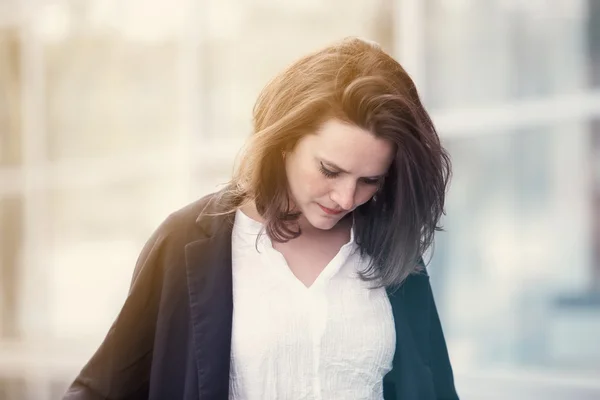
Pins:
x,y
330,211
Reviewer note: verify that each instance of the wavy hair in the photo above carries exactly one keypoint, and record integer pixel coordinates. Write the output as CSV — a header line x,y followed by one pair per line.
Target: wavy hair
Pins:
x,y
356,82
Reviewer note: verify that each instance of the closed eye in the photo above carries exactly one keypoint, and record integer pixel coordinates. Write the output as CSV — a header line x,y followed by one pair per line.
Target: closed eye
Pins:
x,y
371,181
327,172
334,174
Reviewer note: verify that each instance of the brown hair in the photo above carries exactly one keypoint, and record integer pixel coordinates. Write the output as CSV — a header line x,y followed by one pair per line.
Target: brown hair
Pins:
x,y
356,82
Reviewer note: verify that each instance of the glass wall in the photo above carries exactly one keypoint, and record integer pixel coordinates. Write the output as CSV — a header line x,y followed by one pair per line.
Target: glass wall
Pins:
x,y
513,89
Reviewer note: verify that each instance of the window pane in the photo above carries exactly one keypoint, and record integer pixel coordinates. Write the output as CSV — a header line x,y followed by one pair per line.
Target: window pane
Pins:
x,y
97,234
11,248
594,41
11,204
513,271
595,126
486,52
107,96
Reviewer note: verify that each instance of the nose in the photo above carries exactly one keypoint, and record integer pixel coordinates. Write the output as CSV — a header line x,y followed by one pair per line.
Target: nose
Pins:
x,y
344,195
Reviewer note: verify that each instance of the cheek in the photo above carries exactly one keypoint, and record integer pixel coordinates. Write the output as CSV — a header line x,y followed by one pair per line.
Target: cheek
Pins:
x,y
306,183
365,194
316,184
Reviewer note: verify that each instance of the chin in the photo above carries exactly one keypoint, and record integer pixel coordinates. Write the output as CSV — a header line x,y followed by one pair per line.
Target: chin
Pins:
x,y
321,222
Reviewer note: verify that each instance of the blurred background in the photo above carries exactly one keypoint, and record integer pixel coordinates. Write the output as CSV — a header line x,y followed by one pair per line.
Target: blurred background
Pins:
x,y
115,113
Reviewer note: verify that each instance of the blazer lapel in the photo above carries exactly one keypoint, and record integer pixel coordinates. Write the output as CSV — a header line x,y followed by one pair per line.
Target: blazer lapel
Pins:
x,y
411,375
211,304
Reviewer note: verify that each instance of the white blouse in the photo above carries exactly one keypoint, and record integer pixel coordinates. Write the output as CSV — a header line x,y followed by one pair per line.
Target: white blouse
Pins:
x,y
333,340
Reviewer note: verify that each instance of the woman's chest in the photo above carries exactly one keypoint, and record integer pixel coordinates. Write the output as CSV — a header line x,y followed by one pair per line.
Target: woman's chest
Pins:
x,y
341,323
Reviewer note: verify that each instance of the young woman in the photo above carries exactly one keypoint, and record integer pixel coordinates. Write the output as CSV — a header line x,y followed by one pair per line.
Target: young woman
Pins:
x,y
303,278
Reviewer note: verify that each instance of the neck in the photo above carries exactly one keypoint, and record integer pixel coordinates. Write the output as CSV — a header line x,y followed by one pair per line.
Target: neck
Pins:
x,y
250,210
308,230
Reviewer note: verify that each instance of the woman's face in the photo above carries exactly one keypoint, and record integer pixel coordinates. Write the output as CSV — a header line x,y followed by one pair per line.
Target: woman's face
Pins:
x,y
336,170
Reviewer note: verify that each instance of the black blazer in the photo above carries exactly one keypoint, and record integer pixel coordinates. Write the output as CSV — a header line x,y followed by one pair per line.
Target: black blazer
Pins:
x,y
172,338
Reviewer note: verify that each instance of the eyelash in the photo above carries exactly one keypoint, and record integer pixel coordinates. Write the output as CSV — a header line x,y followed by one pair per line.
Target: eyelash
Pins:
x,y
327,173
373,182
331,174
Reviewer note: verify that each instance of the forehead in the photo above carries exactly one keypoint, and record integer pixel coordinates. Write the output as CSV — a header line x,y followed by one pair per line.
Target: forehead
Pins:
x,y
352,148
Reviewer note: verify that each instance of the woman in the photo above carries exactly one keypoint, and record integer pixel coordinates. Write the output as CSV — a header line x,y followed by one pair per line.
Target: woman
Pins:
x,y
303,278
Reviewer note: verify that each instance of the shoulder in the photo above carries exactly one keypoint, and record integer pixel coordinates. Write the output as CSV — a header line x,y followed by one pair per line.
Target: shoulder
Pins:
x,y
165,248
414,289
187,224
155,302
186,218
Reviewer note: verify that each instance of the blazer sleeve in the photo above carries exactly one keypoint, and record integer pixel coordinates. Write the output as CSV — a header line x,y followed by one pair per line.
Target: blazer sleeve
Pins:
x,y
441,369
120,368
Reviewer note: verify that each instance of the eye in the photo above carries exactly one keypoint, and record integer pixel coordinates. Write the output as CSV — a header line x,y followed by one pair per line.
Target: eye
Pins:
x,y
371,181
328,173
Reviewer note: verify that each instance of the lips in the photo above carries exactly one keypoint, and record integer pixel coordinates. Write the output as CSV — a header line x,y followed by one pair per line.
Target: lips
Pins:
x,y
330,211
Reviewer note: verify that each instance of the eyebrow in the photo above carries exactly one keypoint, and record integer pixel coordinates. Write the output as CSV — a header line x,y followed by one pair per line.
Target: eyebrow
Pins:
x,y
339,169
